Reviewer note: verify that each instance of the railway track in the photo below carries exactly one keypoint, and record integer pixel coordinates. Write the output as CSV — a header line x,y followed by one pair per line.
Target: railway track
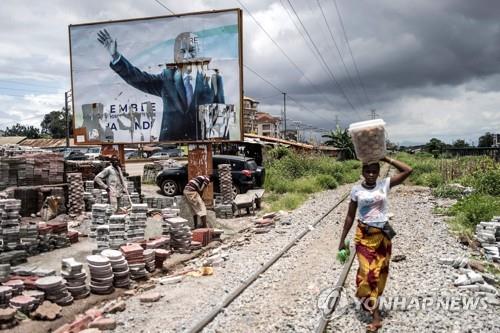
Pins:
x,y
238,291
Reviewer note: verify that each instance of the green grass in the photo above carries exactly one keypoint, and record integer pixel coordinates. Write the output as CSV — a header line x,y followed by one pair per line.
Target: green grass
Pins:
x,y
471,210
291,178
287,201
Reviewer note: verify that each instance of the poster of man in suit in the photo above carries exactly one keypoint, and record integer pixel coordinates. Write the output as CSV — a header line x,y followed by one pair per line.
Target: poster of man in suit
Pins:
x,y
168,79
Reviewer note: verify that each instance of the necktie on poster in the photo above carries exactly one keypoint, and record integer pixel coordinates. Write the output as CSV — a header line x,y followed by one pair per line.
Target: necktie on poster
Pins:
x,y
189,89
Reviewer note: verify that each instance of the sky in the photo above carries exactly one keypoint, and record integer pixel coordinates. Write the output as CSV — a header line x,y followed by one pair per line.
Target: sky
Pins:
x,y
427,68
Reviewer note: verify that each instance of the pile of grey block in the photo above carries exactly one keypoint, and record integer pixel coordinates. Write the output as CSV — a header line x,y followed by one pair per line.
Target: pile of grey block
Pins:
x,y
137,222
488,234
99,227
159,202
93,195
9,223
76,203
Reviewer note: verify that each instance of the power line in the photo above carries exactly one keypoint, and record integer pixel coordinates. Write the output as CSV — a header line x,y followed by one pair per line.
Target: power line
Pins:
x,y
283,52
322,58
161,4
264,79
308,43
282,92
277,45
350,50
338,49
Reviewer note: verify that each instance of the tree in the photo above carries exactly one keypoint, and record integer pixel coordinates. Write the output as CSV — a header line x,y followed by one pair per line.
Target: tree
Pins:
x,y
54,124
30,132
390,145
435,146
460,143
340,139
485,140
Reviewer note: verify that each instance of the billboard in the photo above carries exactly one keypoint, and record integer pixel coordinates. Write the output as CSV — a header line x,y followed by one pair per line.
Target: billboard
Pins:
x,y
169,79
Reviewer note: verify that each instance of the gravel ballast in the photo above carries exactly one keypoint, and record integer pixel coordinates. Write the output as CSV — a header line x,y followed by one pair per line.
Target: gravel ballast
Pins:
x,y
284,298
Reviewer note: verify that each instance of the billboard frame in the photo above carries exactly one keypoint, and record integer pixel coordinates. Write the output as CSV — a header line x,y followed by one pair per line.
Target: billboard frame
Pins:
x,y
239,14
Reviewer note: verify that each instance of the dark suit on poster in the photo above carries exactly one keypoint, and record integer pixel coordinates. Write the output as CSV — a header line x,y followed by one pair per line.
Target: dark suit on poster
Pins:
x,y
179,119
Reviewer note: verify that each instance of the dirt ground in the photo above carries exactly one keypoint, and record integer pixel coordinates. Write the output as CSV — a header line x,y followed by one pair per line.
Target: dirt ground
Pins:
x,y
85,247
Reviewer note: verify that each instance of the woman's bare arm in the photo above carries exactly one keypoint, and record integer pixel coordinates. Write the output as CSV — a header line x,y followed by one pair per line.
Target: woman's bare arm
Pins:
x,y
404,170
349,219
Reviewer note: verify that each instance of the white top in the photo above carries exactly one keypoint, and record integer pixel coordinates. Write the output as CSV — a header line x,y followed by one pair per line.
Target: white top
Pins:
x,y
372,204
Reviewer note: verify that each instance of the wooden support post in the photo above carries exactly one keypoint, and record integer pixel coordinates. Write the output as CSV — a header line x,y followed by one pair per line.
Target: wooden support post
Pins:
x,y
200,163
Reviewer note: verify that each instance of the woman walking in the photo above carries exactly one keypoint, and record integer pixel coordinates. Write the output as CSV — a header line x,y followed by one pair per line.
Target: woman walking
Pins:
x,y
373,233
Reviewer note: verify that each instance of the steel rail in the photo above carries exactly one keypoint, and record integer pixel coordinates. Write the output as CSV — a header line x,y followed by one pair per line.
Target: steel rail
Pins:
x,y
249,281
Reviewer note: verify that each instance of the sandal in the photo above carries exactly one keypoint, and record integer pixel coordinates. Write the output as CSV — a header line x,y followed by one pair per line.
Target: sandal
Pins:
x,y
373,327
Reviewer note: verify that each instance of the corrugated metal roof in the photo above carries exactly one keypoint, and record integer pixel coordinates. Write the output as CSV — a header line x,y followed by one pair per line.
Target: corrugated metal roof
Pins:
x,y
44,143
281,141
11,140
51,143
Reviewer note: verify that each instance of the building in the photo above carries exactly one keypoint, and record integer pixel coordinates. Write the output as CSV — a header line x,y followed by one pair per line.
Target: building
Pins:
x,y
268,125
249,111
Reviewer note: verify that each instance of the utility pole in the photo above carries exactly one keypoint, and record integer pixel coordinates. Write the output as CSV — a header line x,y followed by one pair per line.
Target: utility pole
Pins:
x,y
67,94
284,111
373,114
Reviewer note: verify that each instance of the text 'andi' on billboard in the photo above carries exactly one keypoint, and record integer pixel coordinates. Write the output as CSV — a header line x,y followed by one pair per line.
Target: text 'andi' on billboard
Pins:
x,y
170,78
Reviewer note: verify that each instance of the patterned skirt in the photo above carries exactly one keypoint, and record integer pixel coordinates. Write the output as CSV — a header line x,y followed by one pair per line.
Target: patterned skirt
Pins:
x,y
373,250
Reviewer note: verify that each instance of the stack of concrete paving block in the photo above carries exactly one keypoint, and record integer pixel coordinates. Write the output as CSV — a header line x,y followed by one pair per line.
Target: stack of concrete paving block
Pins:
x,y
75,277
8,318
224,211
76,205
117,234
226,183
4,272
149,260
28,233
158,202
136,223
16,285
100,217
55,290
121,271
168,213
135,198
5,296
89,185
160,256
130,187
14,258
9,222
488,234
180,234
101,275
38,295
134,254
27,169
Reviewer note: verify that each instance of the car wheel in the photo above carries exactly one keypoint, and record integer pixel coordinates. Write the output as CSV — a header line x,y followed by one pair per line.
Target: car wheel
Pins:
x,y
169,188
236,190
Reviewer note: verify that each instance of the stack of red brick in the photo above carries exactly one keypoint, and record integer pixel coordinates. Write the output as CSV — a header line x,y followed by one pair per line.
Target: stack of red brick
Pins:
x,y
203,236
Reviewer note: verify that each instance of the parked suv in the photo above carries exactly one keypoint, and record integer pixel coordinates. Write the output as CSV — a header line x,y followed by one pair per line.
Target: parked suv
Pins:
x,y
245,173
